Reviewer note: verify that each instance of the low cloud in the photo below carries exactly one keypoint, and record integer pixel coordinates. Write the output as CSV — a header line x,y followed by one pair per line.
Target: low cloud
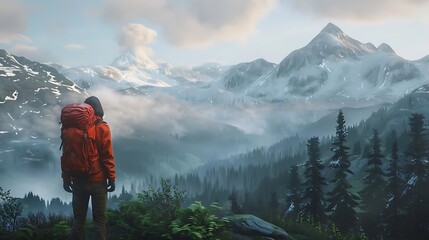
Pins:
x,y
32,53
136,37
161,113
24,50
169,116
74,46
13,21
194,23
364,10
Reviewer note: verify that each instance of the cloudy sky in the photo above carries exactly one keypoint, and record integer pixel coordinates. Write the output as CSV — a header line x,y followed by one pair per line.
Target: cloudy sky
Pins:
x,y
192,32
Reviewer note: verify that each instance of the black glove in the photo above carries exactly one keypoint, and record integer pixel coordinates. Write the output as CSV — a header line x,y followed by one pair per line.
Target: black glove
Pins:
x,y
110,185
68,186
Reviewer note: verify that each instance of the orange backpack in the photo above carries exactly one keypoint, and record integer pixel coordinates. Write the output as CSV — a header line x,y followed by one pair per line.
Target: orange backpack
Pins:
x,y
78,139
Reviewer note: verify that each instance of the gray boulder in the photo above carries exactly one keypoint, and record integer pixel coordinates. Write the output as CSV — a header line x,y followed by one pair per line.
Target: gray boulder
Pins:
x,y
252,226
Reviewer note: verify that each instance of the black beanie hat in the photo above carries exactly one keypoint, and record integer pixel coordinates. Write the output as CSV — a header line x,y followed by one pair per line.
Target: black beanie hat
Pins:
x,y
96,105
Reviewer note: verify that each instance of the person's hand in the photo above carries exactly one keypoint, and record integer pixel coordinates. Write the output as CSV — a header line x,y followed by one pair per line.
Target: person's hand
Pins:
x,y
110,185
68,186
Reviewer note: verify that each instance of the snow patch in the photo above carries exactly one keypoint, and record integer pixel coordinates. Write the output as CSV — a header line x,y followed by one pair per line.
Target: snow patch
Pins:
x,y
335,163
52,79
8,71
56,91
11,98
324,66
29,70
37,90
13,59
10,117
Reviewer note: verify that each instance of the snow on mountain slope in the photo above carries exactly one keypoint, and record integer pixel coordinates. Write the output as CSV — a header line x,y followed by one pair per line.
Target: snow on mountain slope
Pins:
x,y
29,92
226,90
130,58
332,68
133,70
336,67
241,76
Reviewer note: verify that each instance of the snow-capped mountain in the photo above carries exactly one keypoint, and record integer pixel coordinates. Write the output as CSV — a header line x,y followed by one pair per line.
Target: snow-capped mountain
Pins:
x,y
241,76
29,92
130,58
131,70
226,87
334,66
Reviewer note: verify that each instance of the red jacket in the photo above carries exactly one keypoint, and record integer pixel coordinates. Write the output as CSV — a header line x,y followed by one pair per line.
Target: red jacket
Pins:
x,y
104,168
107,162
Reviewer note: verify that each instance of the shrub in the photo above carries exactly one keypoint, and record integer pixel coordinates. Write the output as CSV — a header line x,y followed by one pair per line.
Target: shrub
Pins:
x,y
198,222
149,216
10,212
157,214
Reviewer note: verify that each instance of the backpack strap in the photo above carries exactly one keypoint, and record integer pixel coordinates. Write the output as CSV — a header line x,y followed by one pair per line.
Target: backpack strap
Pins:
x,y
99,121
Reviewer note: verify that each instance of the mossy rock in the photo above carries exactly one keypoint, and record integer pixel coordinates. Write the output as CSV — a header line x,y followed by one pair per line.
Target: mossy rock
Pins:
x,y
251,226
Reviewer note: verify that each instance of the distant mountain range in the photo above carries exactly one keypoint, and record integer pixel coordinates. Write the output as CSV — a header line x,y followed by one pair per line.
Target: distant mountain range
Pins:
x,y
131,70
332,68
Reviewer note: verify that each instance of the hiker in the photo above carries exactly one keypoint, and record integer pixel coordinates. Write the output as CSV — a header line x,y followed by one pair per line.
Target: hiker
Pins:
x,y
98,176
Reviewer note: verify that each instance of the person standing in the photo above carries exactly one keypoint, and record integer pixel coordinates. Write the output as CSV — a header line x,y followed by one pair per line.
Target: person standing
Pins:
x,y
99,179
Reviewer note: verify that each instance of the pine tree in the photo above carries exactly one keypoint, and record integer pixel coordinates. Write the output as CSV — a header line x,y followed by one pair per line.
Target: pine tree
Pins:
x,y
416,194
341,201
274,204
248,205
390,138
373,195
393,187
313,197
235,208
294,196
357,148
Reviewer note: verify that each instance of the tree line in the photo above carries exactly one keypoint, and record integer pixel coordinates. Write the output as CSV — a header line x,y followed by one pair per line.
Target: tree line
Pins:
x,y
393,202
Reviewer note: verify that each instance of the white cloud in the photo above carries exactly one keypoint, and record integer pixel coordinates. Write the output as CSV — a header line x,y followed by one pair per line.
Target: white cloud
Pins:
x,y
194,22
136,36
74,46
364,10
22,48
32,53
13,21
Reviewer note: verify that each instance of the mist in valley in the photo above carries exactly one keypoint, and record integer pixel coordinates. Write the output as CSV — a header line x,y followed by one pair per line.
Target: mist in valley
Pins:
x,y
153,135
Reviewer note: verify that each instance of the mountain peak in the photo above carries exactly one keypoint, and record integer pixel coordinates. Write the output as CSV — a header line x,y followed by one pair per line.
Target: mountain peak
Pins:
x,y
260,61
332,29
384,47
133,57
332,41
